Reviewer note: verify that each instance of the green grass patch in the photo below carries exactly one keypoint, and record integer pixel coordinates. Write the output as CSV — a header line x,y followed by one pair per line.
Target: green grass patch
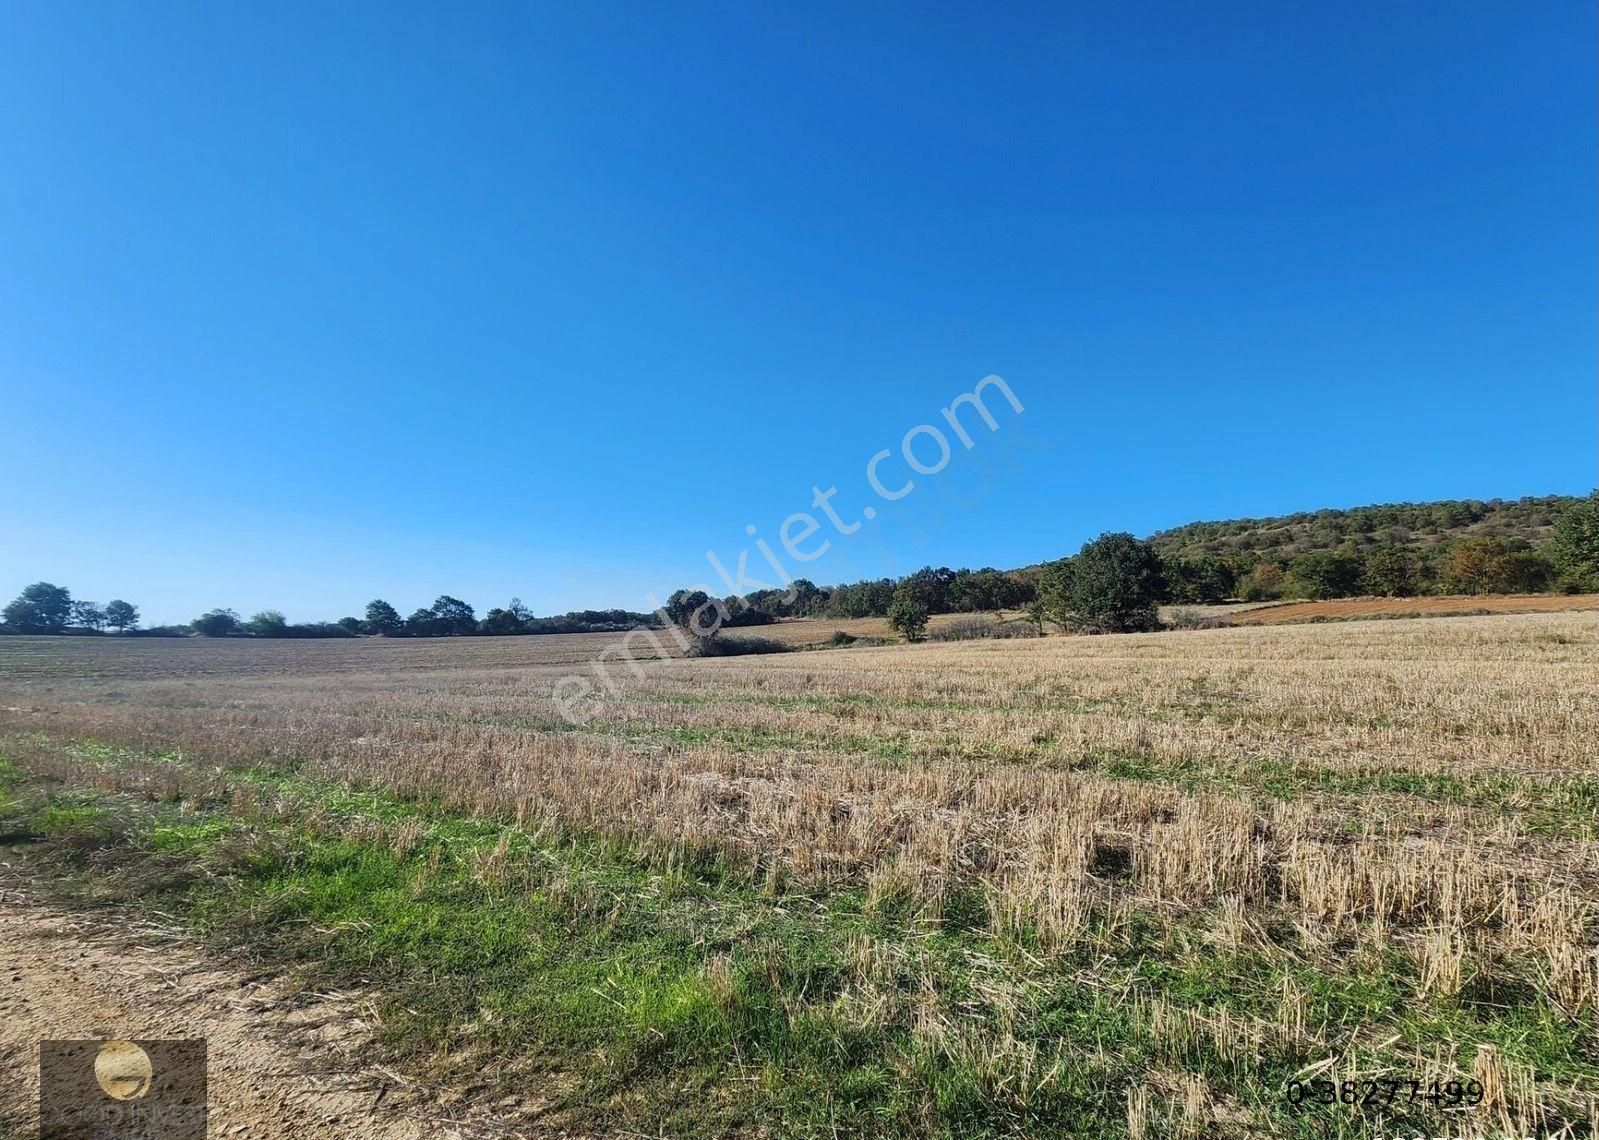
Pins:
x,y
674,993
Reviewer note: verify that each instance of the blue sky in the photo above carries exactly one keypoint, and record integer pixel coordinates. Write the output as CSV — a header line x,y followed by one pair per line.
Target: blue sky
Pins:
x,y
303,305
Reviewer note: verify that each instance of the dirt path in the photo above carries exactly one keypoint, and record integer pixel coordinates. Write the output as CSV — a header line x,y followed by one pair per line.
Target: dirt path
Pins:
x,y
277,1067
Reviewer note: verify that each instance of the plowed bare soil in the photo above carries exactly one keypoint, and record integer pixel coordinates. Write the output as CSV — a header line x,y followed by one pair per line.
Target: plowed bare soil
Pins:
x,y
1414,607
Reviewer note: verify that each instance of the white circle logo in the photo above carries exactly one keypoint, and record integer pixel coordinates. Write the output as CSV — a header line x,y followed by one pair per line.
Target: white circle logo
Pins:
x,y
123,1070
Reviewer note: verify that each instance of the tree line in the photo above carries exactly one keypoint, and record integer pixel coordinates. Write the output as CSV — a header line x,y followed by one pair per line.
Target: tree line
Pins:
x,y
1114,583
45,608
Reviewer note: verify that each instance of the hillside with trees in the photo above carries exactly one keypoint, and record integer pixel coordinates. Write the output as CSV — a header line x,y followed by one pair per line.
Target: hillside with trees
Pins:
x,y
1113,584
1460,546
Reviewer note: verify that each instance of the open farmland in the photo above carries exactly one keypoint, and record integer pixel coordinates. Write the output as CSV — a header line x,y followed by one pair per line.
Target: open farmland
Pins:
x,y
1070,886
1344,609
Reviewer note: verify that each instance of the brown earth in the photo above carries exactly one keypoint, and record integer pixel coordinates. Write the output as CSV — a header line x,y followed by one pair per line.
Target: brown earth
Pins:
x,y
280,1063
1412,607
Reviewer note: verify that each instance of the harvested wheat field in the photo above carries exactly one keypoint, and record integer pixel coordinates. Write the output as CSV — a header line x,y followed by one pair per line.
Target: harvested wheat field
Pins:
x,y
801,632
1335,609
1133,886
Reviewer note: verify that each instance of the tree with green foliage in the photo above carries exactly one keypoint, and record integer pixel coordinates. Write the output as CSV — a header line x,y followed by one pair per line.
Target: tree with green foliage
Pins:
x,y
802,598
452,617
121,616
267,623
382,619
1522,572
1204,580
931,588
973,591
1264,583
907,613
697,611
88,615
500,623
352,625
1055,589
40,608
1574,546
422,623
1116,584
216,623
1392,572
1328,574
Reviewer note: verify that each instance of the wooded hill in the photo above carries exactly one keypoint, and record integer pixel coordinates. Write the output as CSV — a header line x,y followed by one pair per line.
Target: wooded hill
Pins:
x,y
1424,526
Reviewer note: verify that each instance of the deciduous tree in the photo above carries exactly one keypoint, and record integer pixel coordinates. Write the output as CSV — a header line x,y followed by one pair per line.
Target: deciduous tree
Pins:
x,y
88,615
1574,545
267,623
1328,574
121,616
216,623
1392,572
1470,565
453,617
40,608
1116,584
383,619
907,613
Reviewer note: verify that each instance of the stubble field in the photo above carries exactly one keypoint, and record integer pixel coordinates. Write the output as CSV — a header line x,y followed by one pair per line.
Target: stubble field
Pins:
x,y
1073,886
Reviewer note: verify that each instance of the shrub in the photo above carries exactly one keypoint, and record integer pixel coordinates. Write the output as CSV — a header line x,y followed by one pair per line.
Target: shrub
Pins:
x,y
966,629
983,628
721,646
1017,627
1185,617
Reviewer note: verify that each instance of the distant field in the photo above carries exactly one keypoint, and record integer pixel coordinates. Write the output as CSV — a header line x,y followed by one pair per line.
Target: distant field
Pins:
x,y
1336,608
1120,886
815,631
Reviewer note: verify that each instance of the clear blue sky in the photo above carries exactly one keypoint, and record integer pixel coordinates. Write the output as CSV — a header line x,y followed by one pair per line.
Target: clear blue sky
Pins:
x,y
303,305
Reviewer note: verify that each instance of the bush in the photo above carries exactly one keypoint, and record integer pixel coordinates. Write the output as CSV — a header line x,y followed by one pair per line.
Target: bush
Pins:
x,y
1185,617
966,629
1017,627
983,628
722,646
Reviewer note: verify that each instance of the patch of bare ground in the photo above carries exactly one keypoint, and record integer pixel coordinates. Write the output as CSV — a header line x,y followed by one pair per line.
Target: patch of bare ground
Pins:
x,y
281,1061
1454,605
